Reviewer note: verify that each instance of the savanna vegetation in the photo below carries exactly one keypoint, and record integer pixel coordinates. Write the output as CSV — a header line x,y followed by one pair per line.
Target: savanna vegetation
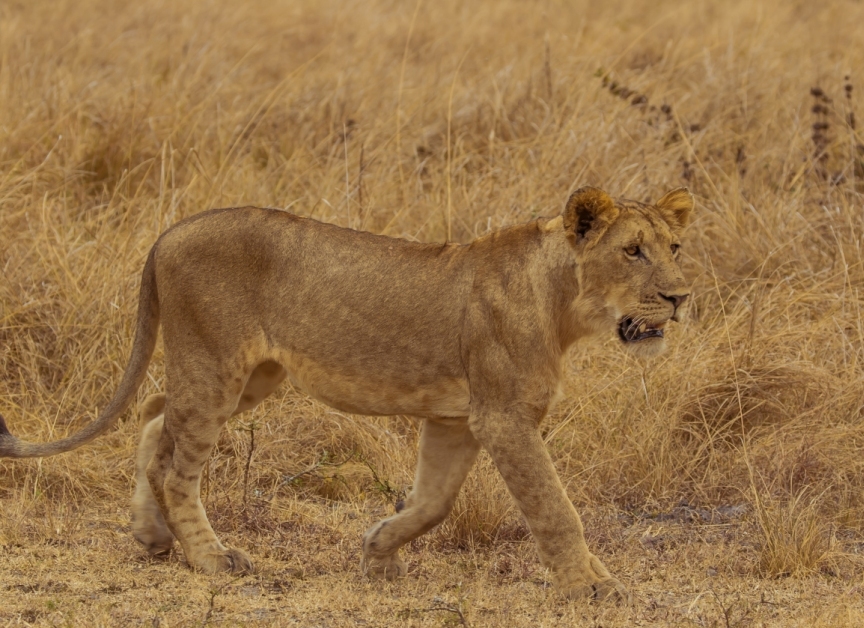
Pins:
x,y
721,482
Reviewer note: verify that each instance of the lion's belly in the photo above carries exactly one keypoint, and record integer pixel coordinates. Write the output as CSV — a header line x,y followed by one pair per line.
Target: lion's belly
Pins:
x,y
375,395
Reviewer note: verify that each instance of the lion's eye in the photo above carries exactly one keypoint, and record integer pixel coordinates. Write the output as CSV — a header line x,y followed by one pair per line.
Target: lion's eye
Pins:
x,y
675,249
632,251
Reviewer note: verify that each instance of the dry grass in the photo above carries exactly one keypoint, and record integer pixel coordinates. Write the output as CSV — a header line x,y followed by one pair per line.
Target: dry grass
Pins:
x,y
705,477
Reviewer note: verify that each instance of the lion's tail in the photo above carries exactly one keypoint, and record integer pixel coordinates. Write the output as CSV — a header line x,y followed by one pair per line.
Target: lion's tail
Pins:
x,y
142,349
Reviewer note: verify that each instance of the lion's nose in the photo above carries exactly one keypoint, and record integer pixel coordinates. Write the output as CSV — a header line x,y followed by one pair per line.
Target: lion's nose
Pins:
x,y
677,300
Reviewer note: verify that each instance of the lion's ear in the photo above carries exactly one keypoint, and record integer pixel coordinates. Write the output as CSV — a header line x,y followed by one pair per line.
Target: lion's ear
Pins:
x,y
588,213
676,208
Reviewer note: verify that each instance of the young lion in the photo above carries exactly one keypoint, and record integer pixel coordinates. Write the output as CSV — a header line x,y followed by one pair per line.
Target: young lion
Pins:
x,y
468,337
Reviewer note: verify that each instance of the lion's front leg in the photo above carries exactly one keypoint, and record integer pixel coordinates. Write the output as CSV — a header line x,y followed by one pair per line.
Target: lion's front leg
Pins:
x,y
516,447
447,453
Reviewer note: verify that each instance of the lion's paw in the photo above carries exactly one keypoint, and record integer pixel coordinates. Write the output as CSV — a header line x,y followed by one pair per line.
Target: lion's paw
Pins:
x,y
611,589
577,592
158,548
608,589
232,561
388,567
149,529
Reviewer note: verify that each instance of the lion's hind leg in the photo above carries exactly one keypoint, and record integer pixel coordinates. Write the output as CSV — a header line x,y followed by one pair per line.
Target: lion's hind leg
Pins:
x,y
148,524
447,452
200,401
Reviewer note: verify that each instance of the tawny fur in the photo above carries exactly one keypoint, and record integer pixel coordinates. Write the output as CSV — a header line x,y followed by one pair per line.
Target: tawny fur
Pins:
x,y
468,337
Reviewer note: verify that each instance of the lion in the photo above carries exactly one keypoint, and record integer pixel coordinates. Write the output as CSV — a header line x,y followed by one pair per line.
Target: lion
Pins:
x,y
469,338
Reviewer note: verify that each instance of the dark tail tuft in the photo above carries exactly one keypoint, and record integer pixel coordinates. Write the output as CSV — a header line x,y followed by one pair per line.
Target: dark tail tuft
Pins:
x,y
4,431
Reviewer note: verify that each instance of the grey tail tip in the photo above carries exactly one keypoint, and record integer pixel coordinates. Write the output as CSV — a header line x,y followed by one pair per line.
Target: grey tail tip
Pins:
x,y
4,431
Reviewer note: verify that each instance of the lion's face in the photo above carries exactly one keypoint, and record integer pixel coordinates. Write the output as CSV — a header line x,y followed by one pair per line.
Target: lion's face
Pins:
x,y
628,259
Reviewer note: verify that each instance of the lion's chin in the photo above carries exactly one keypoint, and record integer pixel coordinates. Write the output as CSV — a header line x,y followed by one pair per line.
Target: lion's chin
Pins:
x,y
648,348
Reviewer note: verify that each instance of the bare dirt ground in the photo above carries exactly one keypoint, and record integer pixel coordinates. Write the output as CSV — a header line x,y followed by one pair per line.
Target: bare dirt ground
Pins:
x,y
722,482
681,573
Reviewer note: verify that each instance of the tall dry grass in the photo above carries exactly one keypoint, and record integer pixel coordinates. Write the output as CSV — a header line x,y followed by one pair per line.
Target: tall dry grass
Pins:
x,y
440,120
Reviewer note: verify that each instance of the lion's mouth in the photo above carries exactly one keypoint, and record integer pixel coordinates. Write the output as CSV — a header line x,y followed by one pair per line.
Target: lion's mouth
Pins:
x,y
631,330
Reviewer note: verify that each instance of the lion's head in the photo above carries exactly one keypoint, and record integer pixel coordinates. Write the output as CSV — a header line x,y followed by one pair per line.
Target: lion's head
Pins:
x,y
628,263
